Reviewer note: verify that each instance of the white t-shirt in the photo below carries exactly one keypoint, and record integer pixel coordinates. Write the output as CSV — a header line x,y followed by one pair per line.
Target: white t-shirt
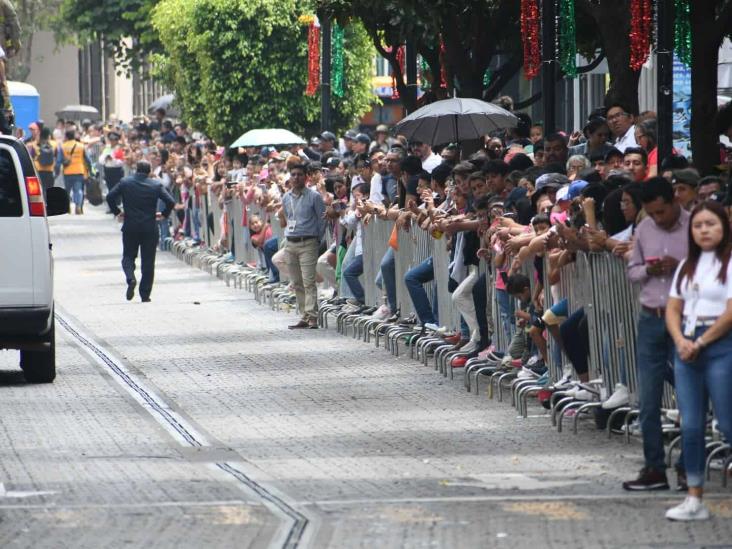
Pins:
x,y
705,296
377,190
627,140
431,162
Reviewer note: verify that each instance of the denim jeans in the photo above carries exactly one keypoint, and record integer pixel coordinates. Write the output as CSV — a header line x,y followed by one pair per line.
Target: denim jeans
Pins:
x,y
414,280
576,340
388,278
708,377
75,187
270,248
506,306
353,270
654,352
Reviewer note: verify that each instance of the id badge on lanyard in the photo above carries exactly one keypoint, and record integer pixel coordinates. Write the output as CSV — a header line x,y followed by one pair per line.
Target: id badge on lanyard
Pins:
x,y
690,321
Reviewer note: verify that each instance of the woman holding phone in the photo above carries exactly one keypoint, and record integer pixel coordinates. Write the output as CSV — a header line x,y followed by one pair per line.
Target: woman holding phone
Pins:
x,y
699,319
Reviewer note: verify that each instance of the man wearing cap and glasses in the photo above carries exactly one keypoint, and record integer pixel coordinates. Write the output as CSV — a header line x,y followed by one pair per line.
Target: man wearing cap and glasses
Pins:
x,y
328,143
302,217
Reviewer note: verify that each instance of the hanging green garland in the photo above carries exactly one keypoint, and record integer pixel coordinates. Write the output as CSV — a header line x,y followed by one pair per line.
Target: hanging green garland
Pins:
x,y
682,32
424,70
567,38
337,62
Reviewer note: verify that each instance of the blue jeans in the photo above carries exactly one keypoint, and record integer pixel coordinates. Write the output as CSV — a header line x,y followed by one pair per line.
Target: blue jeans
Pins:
x,y
709,376
654,352
414,280
350,274
271,247
388,278
576,340
506,306
75,187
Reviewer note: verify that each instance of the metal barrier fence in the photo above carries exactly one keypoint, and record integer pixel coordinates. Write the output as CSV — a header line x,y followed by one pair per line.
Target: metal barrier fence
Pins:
x,y
595,282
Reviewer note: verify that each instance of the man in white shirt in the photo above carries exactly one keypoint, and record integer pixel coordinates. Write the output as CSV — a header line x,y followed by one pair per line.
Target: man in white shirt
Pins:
x,y
622,126
378,169
429,159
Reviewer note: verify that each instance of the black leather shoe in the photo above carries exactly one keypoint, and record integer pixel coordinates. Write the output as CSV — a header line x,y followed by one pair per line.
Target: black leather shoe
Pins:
x,y
131,289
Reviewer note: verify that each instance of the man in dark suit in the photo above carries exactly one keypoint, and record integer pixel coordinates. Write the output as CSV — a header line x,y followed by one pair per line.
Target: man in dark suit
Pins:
x,y
139,196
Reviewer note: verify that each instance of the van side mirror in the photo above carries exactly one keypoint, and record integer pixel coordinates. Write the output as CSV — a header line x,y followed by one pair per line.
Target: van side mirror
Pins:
x,y
57,201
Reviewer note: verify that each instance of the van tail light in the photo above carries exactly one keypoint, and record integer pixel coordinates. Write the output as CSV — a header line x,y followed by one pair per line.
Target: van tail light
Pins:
x,y
35,197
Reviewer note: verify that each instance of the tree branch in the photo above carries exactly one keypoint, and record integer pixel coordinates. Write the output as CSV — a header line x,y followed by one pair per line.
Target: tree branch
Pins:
x,y
518,105
501,77
593,64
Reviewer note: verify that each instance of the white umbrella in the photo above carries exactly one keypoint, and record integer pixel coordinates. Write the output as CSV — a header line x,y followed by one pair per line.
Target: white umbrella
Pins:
x,y
78,112
164,102
267,137
454,120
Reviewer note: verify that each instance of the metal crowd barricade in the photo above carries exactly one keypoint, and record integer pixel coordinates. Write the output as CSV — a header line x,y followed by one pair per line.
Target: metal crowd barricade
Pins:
x,y
375,243
449,316
215,209
415,246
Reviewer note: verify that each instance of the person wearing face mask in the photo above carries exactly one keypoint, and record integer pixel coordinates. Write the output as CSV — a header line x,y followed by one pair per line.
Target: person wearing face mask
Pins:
x,y
699,319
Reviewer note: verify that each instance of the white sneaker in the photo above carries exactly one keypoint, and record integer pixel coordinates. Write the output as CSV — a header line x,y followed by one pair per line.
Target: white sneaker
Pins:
x,y
526,373
382,313
564,383
691,508
439,330
583,394
673,415
620,397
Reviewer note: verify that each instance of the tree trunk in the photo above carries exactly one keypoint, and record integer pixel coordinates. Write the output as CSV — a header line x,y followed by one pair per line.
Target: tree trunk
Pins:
x,y
613,20
705,56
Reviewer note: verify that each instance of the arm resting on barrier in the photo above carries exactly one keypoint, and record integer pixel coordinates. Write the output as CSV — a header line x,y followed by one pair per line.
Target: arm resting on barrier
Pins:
x,y
637,269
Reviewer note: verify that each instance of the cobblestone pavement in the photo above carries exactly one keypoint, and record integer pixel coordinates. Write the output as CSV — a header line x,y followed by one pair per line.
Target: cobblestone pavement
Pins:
x,y
199,420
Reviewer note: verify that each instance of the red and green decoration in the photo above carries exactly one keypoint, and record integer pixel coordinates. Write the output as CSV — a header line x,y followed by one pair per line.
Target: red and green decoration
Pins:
x,y
641,30
567,35
530,36
682,31
313,53
337,62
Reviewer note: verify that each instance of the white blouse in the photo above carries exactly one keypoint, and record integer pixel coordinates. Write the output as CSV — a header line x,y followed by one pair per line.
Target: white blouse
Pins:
x,y
705,295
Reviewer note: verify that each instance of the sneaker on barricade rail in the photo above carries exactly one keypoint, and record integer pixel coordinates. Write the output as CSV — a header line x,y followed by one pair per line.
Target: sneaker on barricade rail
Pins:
x,y
692,508
620,397
648,479
382,313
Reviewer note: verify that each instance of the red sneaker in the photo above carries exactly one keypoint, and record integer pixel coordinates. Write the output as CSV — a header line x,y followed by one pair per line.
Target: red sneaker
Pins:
x,y
459,361
453,339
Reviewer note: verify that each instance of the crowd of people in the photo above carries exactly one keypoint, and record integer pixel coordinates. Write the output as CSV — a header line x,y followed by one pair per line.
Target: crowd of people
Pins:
x,y
524,198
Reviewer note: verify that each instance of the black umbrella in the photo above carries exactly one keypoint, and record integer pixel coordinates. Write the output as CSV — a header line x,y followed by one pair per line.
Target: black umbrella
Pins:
x,y
454,120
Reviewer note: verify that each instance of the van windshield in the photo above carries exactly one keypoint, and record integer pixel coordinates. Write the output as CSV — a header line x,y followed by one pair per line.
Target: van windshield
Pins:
x,y
10,202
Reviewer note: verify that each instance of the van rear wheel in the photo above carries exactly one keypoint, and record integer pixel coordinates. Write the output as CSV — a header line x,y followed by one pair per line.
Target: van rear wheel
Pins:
x,y
40,366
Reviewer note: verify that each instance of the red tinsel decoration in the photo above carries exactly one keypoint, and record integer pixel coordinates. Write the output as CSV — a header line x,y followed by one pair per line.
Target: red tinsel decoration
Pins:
x,y
313,59
443,65
641,21
530,37
401,56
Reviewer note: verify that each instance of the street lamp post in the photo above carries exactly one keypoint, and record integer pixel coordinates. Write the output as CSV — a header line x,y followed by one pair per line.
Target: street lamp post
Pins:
x,y
325,105
664,78
548,73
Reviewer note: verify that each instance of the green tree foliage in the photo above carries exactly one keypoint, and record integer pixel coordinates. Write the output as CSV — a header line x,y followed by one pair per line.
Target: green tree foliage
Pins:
x,y
33,16
242,64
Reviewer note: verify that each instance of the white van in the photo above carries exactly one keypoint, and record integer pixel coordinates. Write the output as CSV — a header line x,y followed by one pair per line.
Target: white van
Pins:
x,y
26,265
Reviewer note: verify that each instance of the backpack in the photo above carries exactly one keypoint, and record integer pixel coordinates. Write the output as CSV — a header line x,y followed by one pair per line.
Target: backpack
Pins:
x,y
46,156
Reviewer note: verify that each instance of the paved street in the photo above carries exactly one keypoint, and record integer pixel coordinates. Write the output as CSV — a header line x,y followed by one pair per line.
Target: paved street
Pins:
x,y
199,420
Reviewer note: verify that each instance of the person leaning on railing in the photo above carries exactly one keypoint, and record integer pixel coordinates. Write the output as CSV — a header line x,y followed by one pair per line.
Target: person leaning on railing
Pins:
x,y
699,319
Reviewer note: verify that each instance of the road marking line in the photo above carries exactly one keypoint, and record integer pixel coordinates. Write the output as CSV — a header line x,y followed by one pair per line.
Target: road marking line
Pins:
x,y
294,522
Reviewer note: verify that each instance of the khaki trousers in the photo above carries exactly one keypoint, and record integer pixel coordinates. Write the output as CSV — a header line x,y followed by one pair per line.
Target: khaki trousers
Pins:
x,y
302,258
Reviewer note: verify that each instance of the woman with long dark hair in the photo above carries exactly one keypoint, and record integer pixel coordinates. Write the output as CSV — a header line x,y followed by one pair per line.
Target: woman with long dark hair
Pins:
x,y
699,319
